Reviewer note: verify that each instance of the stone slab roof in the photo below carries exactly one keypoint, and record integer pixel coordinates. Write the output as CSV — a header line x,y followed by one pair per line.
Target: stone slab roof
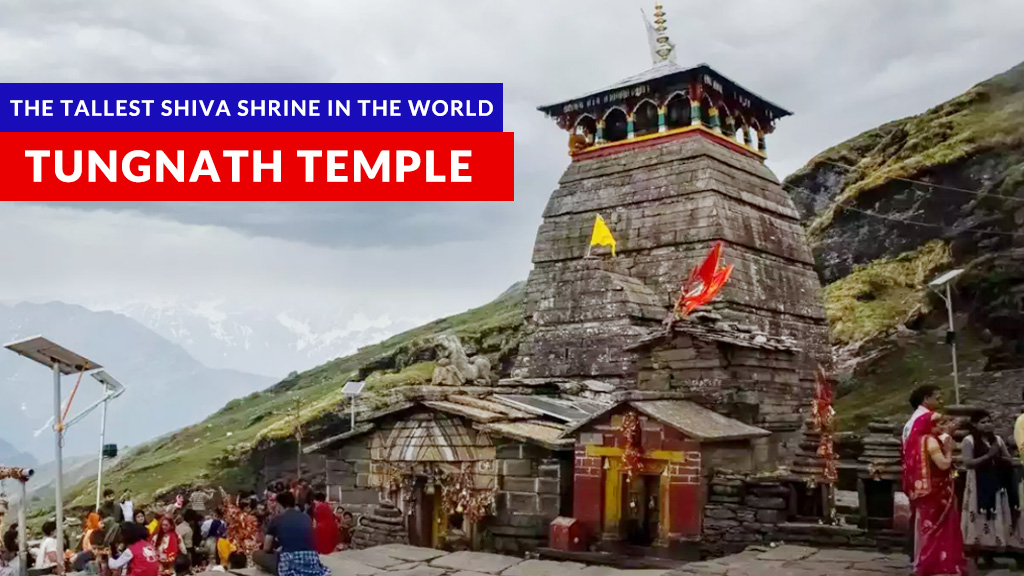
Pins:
x,y
706,325
521,414
687,417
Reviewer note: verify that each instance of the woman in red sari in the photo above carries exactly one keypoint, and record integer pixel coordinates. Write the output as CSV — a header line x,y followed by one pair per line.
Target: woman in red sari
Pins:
x,y
928,482
325,528
165,542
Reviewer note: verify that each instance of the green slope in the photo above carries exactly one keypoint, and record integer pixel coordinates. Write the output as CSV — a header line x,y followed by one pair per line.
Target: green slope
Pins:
x,y
209,452
888,210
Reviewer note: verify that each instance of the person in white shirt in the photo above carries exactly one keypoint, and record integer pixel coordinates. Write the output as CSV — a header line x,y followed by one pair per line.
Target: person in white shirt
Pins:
x,y
48,554
925,400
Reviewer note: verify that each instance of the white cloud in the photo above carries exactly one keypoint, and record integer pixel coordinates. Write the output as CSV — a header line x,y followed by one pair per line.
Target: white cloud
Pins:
x,y
63,254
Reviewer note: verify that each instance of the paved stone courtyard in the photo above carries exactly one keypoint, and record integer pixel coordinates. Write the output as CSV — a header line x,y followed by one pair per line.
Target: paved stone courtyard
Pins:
x,y
784,560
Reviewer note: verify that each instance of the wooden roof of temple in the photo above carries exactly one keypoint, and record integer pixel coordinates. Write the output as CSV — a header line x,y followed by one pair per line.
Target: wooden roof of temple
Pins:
x,y
663,75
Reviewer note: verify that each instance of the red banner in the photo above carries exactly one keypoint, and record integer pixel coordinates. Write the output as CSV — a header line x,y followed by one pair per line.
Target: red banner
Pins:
x,y
258,166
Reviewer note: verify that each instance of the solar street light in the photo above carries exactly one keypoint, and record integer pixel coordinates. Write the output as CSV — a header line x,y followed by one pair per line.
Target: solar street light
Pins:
x,y
111,389
353,390
62,362
946,279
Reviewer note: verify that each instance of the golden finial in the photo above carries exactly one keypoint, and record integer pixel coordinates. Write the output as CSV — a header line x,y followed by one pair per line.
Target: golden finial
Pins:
x,y
662,48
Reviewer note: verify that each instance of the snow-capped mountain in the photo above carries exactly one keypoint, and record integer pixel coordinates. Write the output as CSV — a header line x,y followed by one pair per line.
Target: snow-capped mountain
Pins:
x,y
272,343
166,387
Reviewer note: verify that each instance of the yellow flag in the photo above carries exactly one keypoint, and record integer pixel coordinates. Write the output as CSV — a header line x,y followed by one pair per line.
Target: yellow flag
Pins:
x,y
602,236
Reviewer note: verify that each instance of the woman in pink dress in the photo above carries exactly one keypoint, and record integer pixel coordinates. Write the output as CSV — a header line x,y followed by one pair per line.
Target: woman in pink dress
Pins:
x,y
928,477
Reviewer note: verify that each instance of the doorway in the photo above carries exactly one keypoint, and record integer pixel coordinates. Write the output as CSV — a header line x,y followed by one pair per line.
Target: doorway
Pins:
x,y
641,506
423,517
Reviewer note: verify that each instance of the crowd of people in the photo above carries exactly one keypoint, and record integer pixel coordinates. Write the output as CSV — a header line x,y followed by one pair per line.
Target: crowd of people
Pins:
x,y
283,531
957,520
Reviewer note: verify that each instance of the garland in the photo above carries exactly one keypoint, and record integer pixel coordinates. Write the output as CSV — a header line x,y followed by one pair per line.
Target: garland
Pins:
x,y
460,495
632,453
823,417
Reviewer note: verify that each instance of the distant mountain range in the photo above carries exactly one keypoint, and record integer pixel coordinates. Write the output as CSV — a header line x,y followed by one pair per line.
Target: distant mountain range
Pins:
x,y
166,387
11,456
261,342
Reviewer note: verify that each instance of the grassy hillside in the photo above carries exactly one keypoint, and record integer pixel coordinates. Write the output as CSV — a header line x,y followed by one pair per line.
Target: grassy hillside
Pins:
x,y
891,208
206,451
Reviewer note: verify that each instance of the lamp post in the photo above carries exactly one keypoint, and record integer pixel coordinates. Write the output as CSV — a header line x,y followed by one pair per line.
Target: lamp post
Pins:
x,y
111,389
62,362
944,280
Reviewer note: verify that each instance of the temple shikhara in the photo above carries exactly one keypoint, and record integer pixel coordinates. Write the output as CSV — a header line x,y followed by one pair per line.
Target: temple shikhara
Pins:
x,y
660,404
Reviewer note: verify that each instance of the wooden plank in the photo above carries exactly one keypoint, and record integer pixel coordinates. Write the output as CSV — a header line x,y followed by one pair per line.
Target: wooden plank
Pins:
x,y
612,497
612,452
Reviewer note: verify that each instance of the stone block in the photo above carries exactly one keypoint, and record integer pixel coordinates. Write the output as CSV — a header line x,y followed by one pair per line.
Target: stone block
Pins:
x,y
771,516
517,467
354,451
360,496
549,506
543,568
520,503
766,503
410,553
548,486
476,562
550,471
514,484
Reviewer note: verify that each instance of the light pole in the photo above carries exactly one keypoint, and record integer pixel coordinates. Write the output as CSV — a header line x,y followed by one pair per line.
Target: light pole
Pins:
x,y
111,389
945,280
62,362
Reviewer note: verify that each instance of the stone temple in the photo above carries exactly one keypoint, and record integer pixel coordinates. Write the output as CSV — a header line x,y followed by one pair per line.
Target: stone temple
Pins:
x,y
673,159
623,430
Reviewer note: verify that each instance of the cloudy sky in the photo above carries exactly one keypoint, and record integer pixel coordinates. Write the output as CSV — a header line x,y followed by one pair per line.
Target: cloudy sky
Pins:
x,y
843,66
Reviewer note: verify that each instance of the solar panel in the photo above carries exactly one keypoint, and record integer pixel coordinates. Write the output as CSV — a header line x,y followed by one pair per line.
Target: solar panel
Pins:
x,y
553,407
353,388
114,388
48,354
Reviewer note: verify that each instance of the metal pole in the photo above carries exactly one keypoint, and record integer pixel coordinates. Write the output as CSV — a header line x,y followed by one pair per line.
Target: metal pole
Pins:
x,y
58,432
22,539
956,376
99,473
352,417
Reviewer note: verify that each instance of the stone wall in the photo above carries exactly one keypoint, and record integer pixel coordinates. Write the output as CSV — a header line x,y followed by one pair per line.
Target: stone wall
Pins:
x,y
1000,394
757,386
534,489
741,511
666,204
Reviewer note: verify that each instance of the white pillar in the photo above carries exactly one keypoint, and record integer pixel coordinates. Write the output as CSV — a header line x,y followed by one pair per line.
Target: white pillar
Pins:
x,y
58,449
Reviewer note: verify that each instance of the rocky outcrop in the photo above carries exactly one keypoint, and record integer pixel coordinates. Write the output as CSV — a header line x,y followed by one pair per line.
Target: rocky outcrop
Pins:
x,y
952,176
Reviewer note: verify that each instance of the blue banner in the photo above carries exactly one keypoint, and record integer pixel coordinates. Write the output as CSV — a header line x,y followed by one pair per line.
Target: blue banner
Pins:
x,y
251,108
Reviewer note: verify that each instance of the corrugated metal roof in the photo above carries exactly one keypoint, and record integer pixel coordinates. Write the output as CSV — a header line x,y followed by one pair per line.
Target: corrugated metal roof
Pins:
x,y
564,410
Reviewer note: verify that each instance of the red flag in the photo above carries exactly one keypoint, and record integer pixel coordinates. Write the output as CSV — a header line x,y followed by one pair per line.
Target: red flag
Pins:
x,y
704,282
